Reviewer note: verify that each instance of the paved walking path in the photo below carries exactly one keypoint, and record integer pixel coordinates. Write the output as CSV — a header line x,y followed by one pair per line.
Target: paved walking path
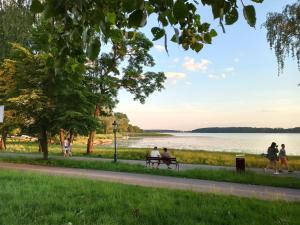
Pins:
x,y
183,166
241,190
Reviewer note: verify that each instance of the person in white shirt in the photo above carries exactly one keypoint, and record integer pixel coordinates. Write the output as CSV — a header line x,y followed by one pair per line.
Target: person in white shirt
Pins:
x,y
67,147
155,153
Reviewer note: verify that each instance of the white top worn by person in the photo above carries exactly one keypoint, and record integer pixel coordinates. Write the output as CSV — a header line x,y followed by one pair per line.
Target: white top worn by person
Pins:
x,y
155,153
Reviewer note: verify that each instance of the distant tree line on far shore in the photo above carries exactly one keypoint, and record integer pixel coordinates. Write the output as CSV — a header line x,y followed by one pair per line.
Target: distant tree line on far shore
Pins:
x,y
245,130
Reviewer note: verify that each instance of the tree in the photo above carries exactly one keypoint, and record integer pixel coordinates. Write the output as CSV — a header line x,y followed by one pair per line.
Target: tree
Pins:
x,y
118,18
15,24
134,129
45,101
11,118
108,76
283,33
123,121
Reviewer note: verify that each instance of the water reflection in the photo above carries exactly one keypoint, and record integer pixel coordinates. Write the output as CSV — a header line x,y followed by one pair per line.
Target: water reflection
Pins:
x,y
247,143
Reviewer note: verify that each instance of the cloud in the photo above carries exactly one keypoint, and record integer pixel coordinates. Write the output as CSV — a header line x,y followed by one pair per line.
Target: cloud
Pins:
x,y
225,73
188,83
174,82
191,65
229,69
159,48
176,60
213,76
175,75
236,60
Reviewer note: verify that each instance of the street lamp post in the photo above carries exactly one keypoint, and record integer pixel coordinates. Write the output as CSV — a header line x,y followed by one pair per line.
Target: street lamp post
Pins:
x,y
115,127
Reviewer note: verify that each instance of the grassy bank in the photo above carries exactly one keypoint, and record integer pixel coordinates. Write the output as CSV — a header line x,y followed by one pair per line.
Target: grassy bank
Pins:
x,y
31,199
216,175
184,156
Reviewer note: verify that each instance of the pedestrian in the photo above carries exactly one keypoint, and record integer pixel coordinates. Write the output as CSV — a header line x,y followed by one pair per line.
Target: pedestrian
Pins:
x,y
67,147
283,159
272,157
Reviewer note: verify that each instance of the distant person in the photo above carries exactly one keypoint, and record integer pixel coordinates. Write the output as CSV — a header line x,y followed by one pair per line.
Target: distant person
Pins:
x,y
272,156
70,147
283,159
155,154
166,158
67,147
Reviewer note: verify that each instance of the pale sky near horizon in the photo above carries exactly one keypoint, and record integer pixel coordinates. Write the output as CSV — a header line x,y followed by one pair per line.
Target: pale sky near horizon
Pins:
x,y
232,82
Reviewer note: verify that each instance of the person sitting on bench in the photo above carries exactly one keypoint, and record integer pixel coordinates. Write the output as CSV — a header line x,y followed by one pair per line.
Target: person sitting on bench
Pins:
x,y
155,153
166,158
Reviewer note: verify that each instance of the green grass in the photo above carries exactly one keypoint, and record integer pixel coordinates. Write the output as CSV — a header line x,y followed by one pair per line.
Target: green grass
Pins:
x,y
33,199
216,175
184,156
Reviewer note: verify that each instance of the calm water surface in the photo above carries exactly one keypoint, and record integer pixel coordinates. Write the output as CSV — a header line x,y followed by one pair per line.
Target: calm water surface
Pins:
x,y
247,143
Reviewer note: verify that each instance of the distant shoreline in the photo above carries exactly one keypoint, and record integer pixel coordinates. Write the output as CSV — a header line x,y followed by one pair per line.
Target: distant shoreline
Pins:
x,y
249,130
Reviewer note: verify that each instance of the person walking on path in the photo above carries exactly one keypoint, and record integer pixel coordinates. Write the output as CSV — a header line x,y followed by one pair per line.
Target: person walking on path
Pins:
x,y
283,159
272,156
67,147
165,156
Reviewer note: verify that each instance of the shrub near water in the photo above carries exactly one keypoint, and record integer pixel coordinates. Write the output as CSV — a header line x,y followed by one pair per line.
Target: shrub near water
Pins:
x,y
31,199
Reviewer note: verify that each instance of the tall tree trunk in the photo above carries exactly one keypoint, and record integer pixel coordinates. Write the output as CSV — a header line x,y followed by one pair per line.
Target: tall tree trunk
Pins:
x,y
71,136
61,139
90,143
44,142
3,139
40,146
1,144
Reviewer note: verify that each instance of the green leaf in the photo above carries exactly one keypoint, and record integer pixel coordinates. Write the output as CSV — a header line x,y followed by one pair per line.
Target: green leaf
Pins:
x,y
131,5
94,49
213,33
36,6
249,14
116,35
137,19
231,17
207,38
257,1
180,10
157,33
130,34
111,17
197,46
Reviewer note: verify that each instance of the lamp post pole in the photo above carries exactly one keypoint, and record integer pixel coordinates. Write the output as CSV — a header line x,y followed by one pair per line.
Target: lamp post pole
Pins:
x,y
115,127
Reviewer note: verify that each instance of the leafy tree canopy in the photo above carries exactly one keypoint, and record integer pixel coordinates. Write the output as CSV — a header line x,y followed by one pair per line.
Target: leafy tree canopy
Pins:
x,y
283,33
113,19
15,24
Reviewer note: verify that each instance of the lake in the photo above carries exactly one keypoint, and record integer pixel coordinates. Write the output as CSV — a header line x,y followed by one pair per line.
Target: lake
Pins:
x,y
256,143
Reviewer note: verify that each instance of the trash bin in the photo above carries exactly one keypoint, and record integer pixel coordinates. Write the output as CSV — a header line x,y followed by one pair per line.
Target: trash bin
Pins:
x,y
240,162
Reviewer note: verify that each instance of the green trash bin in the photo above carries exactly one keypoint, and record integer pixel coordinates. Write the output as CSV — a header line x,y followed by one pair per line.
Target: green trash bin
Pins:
x,y
240,163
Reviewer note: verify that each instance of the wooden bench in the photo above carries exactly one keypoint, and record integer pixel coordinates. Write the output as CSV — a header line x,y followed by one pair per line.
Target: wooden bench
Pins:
x,y
157,160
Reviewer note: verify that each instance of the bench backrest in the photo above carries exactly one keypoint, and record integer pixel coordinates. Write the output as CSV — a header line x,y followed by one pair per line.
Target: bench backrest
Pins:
x,y
157,158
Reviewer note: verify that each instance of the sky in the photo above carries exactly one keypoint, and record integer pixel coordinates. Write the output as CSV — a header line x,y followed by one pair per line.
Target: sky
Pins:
x,y
232,82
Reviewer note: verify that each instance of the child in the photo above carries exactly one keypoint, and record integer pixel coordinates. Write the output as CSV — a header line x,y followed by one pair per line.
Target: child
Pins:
x,y
283,158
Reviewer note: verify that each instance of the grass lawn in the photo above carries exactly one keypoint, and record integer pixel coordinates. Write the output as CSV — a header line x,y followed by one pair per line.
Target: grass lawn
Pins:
x,y
34,199
184,156
217,175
